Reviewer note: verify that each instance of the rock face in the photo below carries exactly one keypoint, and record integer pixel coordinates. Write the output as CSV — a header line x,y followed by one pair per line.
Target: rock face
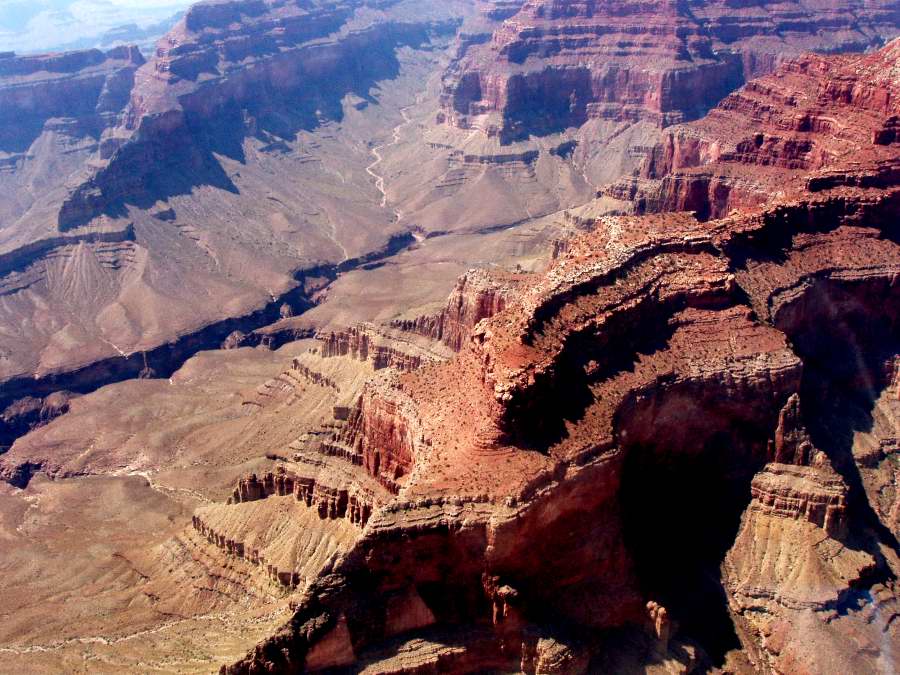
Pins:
x,y
53,109
366,343
29,413
83,91
329,502
478,295
776,134
555,64
698,392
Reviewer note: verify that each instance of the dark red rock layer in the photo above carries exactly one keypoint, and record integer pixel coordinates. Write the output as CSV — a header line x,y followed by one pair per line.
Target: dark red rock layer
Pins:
x,y
653,444
556,63
478,295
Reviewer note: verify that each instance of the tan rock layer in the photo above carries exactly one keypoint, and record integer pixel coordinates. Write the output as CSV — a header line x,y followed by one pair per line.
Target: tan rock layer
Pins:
x,y
352,503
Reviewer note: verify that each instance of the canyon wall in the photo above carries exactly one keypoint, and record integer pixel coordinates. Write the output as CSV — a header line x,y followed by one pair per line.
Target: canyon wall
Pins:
x,y
477,295
218,75
554,65
654,454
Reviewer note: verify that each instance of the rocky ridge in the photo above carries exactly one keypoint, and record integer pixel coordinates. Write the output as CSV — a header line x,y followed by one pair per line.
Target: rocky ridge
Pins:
x,y
666,370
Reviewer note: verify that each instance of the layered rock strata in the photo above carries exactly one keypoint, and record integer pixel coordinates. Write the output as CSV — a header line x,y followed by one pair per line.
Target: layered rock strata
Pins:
x,y
793,130
368,343
671,388
352,502
477,295
554,65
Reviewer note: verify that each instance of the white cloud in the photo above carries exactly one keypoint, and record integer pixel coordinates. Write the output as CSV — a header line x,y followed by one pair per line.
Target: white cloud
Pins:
x,y
36,25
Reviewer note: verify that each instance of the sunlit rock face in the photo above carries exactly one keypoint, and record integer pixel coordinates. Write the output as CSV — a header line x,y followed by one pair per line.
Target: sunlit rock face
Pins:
x,y
554,65
719,388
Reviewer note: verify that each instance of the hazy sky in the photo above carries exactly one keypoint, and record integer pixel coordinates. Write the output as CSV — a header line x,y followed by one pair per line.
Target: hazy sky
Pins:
x,y
35,25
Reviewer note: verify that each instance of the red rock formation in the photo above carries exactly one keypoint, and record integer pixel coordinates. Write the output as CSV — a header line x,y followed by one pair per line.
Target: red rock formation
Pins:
x,y
779,133
603,449
555,63
363,343
478,295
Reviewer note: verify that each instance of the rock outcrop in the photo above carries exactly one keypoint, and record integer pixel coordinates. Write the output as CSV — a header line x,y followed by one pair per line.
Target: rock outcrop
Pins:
x,y
352,502
478,295
656,443
555,64
367,343
30,413
786,131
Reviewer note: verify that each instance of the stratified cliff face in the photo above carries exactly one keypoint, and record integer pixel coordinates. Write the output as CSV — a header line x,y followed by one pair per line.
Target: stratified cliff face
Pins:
x,y
555,64
478,295
366,343
233,69
672,448
779,133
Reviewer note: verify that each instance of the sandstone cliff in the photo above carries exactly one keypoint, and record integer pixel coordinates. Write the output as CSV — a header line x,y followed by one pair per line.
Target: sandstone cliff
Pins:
x,y
477,295
555,64
370,344
655,452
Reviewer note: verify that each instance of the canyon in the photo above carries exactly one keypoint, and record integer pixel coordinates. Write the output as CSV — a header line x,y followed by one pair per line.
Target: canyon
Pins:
x,y
664,369
542,336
